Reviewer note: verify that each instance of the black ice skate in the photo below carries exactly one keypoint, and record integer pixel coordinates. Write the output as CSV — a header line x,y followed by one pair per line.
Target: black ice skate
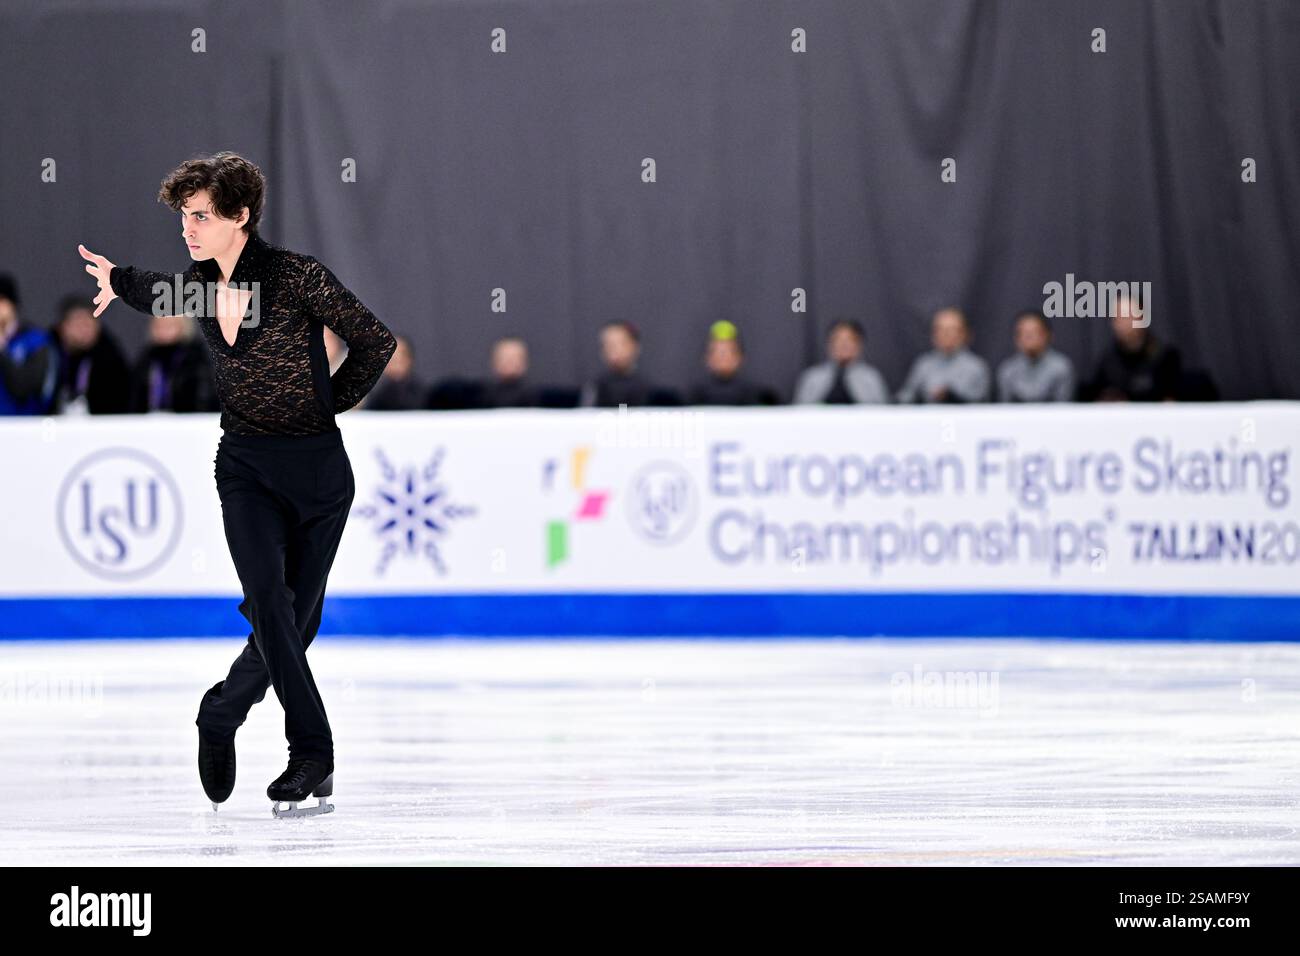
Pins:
x,y
303,777
216,768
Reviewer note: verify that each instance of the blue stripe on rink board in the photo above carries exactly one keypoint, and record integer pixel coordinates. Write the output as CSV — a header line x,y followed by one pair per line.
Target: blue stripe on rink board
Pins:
x,y
559,614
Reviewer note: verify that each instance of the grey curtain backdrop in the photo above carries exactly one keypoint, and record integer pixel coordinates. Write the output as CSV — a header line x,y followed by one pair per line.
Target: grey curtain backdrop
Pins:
x,y
776,169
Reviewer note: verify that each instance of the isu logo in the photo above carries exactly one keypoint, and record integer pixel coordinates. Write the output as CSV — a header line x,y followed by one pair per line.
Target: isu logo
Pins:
x,y
661,502
119,513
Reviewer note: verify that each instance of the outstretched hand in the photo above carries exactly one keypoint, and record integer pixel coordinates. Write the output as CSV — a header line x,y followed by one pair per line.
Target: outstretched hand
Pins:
x,y
101,269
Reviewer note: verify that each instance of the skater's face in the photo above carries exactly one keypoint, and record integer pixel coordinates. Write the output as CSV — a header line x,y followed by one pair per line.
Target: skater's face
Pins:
x,y
205,233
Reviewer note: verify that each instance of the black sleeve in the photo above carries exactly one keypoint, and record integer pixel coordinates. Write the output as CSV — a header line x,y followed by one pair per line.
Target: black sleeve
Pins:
x,y
135,287
370,343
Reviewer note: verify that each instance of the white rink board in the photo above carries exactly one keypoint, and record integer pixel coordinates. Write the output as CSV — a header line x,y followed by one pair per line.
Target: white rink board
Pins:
x,y
1149,500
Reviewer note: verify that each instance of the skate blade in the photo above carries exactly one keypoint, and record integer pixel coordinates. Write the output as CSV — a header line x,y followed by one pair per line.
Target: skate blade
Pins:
x,y
294,810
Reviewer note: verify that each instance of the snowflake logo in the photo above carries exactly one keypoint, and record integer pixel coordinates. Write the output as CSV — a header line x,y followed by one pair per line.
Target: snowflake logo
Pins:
x,y
412,511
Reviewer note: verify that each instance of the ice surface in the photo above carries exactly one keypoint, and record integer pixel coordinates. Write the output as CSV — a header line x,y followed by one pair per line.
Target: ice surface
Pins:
x,y
670,752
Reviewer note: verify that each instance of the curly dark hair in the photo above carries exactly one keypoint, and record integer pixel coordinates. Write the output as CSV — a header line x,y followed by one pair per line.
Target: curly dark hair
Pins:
x,y
233,182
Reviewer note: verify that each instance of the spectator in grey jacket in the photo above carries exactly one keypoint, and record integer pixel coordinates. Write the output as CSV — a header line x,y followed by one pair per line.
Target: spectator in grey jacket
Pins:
x,y
950,372
844,378
1037,372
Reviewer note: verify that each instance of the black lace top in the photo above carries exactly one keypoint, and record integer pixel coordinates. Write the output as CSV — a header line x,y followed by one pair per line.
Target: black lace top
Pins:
x,y
275,379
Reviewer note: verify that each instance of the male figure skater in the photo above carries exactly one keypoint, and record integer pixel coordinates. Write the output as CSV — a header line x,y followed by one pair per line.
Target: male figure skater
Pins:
x,y
282,474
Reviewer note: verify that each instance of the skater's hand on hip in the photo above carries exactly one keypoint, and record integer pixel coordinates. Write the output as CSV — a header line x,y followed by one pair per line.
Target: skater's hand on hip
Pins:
x,y
101,269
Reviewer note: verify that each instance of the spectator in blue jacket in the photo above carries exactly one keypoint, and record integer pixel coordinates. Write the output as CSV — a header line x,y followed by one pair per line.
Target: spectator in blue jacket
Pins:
x,y
29,360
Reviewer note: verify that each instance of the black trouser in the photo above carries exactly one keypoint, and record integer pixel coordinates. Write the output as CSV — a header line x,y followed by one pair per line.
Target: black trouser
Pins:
x,y
284,501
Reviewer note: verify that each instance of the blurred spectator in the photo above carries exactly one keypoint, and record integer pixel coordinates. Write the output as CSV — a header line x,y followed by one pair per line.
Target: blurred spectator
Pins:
x,y
725,385
174,374
398,389
620,383
1136,367
509,387
950,372
1037,372
844,378
29,360
94,377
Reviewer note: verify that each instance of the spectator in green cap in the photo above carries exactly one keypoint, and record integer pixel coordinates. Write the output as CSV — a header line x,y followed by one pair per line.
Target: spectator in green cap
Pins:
x,y
724,384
